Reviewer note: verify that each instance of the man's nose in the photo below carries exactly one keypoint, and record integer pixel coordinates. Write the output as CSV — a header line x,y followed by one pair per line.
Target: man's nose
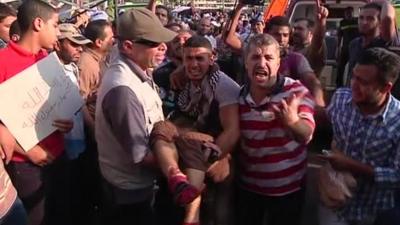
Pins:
x,y
193,63
262,61
162,47
362,21
279,38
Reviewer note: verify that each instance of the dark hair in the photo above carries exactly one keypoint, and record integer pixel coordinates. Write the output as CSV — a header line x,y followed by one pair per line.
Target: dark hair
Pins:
x,y
310,23
372,5
14,29
32,9
95,30
260,40
198,41
6,11
279,21
387,63
169,25
163,7
192,33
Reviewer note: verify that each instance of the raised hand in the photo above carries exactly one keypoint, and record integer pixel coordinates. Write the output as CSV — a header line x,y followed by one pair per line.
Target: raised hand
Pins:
x,y
322,13
287,110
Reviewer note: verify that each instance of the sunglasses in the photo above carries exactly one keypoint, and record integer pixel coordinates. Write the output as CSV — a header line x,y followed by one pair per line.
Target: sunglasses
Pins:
x,y
150,44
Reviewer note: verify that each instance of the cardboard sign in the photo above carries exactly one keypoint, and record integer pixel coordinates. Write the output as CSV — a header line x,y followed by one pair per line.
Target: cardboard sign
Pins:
x,y
31,100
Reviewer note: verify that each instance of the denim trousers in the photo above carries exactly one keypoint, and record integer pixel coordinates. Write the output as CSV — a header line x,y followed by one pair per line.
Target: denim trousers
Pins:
x,y
16,215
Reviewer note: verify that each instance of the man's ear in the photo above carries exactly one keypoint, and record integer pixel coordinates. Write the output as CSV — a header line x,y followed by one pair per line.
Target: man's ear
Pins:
x,y
98,42
214,55
387,88
57,46
126,46
37,24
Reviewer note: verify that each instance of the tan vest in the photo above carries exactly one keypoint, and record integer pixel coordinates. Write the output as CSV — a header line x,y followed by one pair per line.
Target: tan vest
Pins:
x,y
116,163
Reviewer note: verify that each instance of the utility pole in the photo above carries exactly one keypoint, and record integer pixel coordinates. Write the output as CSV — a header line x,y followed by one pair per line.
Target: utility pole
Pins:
x,y
116,14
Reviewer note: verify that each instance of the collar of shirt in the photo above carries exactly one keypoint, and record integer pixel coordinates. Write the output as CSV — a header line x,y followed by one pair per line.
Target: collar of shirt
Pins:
x,y
3,44
142,74
300,48
380,115
94,54
276,89
376,42
15,47
71,67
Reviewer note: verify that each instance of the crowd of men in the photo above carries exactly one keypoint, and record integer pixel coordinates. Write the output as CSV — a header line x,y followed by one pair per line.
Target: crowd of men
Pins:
x,y
204,119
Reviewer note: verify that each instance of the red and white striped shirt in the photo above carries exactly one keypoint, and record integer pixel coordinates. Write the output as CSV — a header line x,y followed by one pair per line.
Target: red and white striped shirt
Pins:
x,y
271,162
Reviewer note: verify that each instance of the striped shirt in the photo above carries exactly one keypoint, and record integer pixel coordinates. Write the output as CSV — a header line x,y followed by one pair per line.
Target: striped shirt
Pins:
x,y
373,140
8,194
272,163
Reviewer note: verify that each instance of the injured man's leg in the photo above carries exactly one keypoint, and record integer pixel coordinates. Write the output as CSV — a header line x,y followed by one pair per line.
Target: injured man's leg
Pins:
x,y
195,152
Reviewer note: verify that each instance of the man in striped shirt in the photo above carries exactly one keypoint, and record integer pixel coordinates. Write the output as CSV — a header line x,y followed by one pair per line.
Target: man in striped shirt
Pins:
x,y
276,123
366,137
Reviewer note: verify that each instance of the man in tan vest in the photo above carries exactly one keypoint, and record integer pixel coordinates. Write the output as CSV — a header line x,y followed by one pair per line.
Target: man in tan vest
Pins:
x,y
127,107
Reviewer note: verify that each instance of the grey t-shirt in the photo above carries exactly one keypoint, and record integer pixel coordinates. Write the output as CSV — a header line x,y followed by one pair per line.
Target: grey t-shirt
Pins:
x,y
227,91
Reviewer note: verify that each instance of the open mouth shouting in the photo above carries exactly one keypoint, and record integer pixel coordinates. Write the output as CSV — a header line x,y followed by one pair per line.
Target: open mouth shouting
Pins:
x,y
261,75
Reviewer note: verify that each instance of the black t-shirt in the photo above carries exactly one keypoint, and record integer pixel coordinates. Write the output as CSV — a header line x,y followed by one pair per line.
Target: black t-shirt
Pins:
x,y
168,96
356,49
348,29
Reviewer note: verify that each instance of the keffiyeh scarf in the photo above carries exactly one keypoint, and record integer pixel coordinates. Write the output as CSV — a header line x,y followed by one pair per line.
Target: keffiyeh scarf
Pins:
x,y
196,101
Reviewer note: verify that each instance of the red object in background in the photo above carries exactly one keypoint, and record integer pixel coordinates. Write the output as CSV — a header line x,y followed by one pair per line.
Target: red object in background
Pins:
x,y
276,8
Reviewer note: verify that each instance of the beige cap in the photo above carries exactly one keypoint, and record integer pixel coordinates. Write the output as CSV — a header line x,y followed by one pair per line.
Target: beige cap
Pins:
x,y
69,31
143,24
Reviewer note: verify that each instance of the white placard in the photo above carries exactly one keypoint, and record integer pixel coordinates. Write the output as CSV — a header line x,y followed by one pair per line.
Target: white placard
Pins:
x,y
32,99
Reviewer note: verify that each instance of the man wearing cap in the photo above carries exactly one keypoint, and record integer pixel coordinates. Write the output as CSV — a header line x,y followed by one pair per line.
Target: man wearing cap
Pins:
x,y
69,49
128,106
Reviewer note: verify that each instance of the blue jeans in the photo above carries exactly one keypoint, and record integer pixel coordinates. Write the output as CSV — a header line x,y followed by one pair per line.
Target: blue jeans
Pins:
x,y
16,215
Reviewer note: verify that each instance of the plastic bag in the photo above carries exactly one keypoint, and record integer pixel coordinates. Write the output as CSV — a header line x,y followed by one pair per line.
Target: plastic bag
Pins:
x,y
335,187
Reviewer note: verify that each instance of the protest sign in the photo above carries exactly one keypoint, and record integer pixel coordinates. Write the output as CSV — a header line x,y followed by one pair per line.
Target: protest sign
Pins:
x,y
32,99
